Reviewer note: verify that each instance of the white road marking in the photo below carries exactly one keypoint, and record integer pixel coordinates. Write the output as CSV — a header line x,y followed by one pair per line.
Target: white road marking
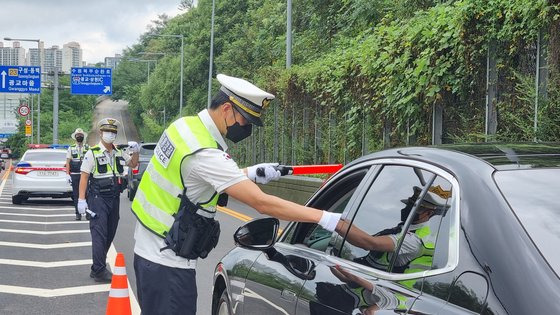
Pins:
x,y
54,292
111,255
37,209
31,204
38,222
44,232
45,264
37,215
45,246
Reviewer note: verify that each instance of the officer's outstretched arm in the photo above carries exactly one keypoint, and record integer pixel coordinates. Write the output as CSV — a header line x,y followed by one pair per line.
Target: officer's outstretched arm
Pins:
x,y
83,185
249,193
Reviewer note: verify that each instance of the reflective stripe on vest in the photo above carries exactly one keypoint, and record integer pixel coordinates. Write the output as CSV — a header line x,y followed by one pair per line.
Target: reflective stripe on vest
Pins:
x,y
159,194
97,152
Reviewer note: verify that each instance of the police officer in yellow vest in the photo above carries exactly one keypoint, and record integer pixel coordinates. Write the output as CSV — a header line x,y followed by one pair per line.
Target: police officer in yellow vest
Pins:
x,y
418,245
74,159
102,180
186,178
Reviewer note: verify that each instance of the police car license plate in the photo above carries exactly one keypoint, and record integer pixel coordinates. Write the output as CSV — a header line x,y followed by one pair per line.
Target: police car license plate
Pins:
x,y
47,173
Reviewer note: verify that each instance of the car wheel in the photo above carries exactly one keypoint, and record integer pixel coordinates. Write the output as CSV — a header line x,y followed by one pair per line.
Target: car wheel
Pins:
x,y
224,304
16,200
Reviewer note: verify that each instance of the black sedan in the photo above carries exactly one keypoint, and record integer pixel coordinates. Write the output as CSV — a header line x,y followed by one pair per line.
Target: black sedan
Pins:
x,y
457,229
145,153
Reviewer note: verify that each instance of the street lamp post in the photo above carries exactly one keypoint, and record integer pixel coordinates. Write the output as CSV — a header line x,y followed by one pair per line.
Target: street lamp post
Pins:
x,y
143,60
211,55
38,96
182,54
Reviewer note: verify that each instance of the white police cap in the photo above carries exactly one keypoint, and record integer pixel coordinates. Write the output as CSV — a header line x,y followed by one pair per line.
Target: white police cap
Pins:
x,y
249,99
108,124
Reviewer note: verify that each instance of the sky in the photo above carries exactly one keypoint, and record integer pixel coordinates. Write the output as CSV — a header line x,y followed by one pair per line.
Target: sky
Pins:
x,y
101,27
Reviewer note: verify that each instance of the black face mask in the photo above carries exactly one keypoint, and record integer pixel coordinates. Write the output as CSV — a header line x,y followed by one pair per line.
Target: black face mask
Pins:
x,y
236,132
79,139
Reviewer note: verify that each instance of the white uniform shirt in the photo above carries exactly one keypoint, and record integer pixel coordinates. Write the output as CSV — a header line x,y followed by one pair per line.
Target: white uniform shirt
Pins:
x,y
203,173
88,163
411,247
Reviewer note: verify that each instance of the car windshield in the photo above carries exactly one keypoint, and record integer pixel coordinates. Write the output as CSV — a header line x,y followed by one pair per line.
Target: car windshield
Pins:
x,y
147,149
56,156
533,196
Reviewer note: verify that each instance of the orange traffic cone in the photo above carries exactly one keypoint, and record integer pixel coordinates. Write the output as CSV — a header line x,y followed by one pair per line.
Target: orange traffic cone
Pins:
x,y
119,302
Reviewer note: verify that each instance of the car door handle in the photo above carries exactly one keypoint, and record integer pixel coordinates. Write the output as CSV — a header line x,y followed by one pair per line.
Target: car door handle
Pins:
x,y
288,295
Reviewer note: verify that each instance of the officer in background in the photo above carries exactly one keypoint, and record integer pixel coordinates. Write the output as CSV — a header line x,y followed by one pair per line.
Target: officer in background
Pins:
x,y
74,158
103,179
185,180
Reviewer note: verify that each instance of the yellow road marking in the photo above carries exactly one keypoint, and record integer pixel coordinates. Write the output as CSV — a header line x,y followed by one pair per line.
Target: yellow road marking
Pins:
x,y
238,215
234,214
7,172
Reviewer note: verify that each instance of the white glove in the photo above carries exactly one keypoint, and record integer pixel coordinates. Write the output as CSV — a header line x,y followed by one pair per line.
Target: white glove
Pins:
x,y
133,146
69,179
267,173
82,206
329,220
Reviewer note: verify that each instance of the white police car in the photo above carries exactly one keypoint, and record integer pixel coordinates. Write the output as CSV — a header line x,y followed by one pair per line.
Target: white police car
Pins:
x,y
40,173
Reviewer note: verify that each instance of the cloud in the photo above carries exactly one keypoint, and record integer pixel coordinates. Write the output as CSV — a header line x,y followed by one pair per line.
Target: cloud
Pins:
x,y
102,27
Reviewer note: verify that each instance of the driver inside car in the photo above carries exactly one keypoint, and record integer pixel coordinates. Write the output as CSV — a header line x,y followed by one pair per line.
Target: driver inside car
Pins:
x,y
417,247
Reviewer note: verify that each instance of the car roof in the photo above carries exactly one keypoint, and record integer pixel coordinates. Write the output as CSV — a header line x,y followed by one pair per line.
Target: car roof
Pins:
x,y
498,156
512,155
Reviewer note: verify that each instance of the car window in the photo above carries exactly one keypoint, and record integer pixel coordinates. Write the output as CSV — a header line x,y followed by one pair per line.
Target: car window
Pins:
x,y
379,227
56,156
317,237
334,197
147,149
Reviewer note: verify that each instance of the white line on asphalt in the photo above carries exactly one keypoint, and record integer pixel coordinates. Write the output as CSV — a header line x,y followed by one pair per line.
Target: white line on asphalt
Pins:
x,y
44,232
54,292
45,264
45,246
2,187
34,204
37,209
37,222
37,215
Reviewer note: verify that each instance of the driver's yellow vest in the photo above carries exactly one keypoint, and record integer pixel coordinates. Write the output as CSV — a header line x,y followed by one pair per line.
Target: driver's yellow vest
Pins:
x,y
160,190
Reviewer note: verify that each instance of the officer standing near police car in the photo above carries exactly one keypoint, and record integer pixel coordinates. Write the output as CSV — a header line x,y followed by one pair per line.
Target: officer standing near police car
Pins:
x,y
102,180
187,177
74,158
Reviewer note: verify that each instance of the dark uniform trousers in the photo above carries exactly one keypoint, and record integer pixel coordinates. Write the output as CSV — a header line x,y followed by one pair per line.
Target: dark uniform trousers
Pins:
x,y
75,190
103,226
164,290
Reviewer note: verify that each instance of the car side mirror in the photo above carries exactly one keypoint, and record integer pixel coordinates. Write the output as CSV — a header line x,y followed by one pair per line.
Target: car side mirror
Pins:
x,y
259,234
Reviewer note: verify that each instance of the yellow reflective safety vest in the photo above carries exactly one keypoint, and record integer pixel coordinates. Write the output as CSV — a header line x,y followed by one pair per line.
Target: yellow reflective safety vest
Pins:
x,y
423,262
77,157
104,167
159,194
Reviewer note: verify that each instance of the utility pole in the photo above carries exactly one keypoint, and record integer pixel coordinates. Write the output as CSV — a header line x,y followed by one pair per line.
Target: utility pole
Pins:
x,y
211,55
55,107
